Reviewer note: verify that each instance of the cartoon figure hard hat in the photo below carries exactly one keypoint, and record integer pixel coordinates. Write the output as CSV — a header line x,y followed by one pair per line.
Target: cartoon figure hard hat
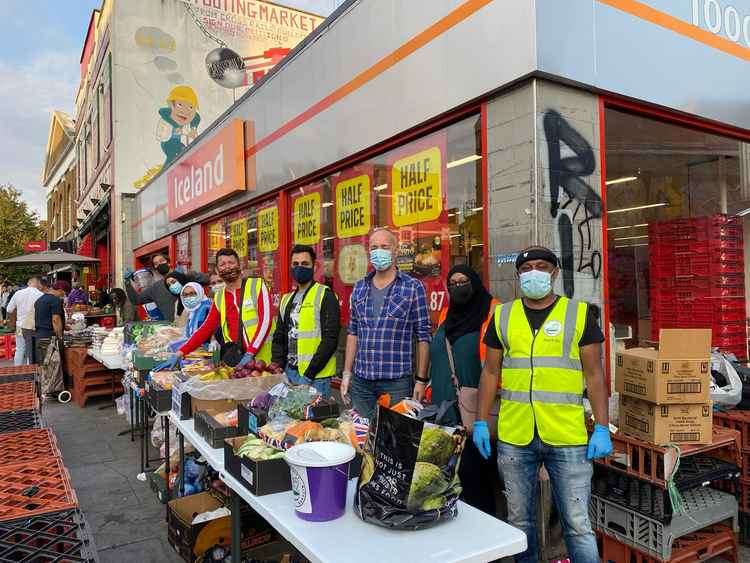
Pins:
x,y
183,94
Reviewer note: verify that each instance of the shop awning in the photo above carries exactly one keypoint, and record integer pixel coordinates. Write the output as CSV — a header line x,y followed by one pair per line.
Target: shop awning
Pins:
x,y
50,257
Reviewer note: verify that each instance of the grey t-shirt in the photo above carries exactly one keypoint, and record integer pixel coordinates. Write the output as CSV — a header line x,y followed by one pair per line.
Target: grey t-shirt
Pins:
x,y
293,324
378,298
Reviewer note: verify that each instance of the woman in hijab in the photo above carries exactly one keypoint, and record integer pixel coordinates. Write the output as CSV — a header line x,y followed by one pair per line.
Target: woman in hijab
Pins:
x,y
175,281
460,333
197,305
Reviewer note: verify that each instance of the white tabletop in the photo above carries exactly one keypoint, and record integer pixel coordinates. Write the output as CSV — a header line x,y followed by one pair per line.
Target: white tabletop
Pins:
x,y
110,362
472,537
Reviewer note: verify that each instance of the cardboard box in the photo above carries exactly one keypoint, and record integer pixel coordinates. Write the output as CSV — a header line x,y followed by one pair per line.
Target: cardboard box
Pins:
x,y
678,373
664,424
192,541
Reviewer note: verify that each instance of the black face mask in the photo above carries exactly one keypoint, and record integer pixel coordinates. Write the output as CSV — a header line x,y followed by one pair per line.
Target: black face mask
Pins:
x,y
302,274
461,294
163,269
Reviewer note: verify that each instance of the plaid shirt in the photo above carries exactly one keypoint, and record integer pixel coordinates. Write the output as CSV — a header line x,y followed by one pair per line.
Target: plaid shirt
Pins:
x,y
385,343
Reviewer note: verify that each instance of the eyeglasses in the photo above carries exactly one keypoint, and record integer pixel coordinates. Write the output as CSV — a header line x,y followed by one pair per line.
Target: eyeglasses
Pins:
x,y
459,284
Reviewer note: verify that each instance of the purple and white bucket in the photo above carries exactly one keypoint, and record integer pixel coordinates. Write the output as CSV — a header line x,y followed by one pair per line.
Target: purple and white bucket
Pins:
x,y
320,474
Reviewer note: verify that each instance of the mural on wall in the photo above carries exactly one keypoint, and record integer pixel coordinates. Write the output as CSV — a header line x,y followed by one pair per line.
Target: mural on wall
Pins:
x,y
182,63
575,206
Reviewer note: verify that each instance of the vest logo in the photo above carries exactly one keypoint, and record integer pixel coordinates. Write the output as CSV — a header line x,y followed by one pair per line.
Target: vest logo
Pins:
x,y
552,328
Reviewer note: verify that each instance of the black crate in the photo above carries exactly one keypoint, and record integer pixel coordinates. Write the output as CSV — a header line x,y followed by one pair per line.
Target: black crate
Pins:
x,y
55,537
259,477
250,419
159,399
211,430
701,470
13,421
182,403
744,535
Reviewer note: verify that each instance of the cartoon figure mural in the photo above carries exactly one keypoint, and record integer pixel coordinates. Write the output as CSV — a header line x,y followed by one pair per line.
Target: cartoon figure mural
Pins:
x,y
178,122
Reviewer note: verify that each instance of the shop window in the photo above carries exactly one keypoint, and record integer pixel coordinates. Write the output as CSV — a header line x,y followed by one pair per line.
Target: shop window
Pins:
x,y
429,192
253,233
678,213
182,250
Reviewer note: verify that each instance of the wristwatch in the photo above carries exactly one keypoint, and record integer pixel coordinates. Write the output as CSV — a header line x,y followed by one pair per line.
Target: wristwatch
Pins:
x,y
421,379
347,374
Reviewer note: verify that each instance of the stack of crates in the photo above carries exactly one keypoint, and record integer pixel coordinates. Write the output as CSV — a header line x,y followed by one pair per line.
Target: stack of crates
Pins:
x,y
631,511
697,276
39,515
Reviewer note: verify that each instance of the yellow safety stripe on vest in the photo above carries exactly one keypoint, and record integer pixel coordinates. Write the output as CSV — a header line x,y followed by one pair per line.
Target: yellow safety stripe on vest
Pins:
x,y
542,362
248,305
317,303
541,397
504,320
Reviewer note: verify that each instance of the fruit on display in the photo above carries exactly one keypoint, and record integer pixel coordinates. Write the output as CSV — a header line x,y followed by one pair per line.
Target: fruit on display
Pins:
x,y
257,368
217,374
255,448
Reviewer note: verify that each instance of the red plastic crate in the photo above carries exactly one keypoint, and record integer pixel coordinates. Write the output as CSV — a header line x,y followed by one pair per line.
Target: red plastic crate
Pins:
x,y
28,446
709,543
14,370
647,462
23,402
17,388
28,489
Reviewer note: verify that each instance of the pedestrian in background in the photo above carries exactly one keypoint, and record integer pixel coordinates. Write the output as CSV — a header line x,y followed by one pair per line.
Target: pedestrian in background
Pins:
x,y
21,308
307,327
388,313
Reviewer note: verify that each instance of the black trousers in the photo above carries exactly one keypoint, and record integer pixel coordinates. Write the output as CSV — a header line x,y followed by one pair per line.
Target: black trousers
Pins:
x,y
479,478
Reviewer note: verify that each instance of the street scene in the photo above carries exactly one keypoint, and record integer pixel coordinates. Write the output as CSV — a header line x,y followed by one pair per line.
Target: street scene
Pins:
x,y
375,280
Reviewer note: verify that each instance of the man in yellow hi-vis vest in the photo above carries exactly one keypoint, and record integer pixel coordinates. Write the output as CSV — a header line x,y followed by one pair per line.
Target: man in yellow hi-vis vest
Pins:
x,y
547,346
308,326
243,312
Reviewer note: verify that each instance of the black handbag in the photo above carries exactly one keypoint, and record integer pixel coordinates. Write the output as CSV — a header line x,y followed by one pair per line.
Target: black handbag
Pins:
x,y
231,352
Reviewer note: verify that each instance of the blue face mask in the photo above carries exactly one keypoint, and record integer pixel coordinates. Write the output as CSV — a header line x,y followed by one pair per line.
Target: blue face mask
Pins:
x,y
381,259
302,274
191,302
536,284
175,288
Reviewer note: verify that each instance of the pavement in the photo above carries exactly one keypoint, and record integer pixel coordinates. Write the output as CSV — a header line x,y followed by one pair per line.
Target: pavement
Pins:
x,y
128,522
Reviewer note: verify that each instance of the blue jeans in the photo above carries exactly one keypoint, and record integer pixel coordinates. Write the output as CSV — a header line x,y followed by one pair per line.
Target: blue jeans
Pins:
x,y
365,392
570,476
323,386
23,348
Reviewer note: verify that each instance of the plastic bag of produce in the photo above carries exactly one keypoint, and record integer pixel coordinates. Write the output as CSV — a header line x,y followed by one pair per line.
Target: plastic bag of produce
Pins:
x,y
409,478
239,389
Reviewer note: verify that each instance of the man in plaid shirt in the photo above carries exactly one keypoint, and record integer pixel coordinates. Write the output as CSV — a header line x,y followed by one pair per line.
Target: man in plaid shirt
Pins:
x,y
388,312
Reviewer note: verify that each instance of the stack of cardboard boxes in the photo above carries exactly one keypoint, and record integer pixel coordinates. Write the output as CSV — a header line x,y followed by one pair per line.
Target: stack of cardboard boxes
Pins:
x,y
664,394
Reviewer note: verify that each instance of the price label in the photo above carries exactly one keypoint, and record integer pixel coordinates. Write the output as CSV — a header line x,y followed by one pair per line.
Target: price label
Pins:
x,y
268,229
238,234
417,188
307,219
353,207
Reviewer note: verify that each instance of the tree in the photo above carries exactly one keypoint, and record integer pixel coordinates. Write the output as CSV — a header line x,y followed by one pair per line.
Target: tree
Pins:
x,y
18,225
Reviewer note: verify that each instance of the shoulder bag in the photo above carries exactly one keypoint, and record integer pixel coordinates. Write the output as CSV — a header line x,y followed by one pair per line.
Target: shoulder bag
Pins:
x,y
468,400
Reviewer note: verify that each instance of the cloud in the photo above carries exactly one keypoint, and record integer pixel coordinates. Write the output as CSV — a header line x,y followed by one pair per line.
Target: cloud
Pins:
x,y
29,91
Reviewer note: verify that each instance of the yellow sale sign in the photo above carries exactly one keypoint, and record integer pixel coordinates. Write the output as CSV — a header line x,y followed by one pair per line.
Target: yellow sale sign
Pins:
x,y
353,207
238,234
306,219
268,229
416,183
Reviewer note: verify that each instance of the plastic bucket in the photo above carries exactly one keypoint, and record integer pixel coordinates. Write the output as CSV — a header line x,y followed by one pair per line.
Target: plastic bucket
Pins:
x,y
320,474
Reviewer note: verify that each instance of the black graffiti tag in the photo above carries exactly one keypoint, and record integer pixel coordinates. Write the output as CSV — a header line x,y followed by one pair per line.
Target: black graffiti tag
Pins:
x,y
567,173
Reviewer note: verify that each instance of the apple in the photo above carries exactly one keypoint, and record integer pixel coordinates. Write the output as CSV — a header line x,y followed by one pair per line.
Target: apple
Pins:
x,y
260,365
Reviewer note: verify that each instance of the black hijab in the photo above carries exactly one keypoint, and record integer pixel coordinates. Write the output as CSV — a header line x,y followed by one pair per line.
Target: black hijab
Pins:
x,y
469,317
183,279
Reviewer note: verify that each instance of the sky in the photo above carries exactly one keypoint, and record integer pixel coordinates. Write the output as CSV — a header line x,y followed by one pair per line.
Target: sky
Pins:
x,y
39,72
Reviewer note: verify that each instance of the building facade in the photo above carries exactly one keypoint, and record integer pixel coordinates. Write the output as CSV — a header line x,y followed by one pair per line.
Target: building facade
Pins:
x,y
475,128
59,178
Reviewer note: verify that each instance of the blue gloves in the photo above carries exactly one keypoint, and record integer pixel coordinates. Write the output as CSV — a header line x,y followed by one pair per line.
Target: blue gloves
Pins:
x,y
167,364
481,438
600,444
246,359
128,275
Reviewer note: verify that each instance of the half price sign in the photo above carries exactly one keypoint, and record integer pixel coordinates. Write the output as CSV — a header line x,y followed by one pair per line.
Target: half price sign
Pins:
x,y
353,207
268,229
306,222
417,188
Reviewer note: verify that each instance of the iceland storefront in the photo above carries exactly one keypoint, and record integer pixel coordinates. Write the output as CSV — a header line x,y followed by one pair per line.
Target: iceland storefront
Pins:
x,y
613,131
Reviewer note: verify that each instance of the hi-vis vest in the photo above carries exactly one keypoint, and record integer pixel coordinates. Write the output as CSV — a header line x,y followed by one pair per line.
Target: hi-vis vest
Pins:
x,y
309,330
542,377
249,316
